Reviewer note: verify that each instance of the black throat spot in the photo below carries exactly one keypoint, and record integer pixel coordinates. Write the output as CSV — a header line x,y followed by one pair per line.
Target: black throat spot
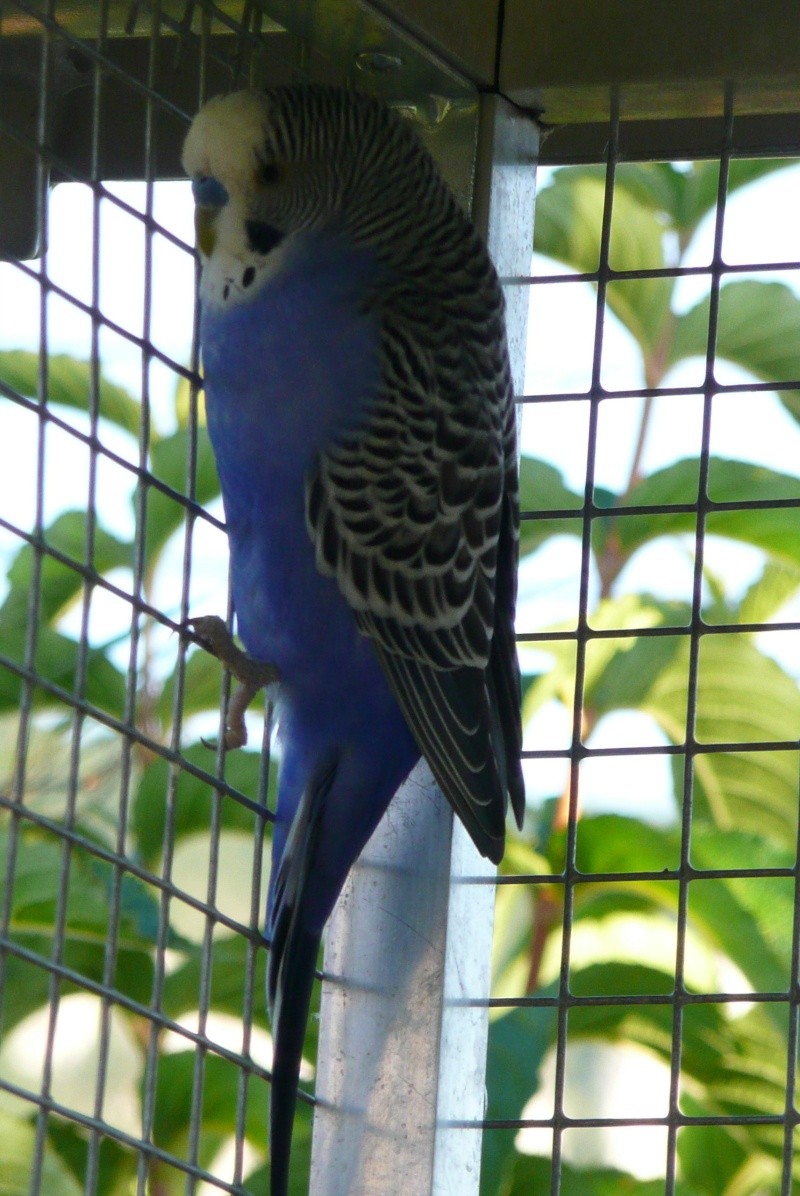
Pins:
x,y
262,238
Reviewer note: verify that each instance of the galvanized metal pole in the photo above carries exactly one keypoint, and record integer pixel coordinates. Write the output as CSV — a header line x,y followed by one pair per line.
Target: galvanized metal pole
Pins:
x,y
401,1052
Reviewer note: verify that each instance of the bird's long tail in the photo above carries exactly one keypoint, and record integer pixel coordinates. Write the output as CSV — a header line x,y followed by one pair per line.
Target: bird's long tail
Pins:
x,y
290,978
288,1031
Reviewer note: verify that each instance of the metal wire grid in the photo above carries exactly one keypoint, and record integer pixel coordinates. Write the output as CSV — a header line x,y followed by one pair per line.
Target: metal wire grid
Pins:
x,y
77,845
566,1002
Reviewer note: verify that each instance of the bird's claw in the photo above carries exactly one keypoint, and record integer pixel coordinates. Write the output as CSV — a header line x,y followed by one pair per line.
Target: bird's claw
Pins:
x,y
250,675
212,633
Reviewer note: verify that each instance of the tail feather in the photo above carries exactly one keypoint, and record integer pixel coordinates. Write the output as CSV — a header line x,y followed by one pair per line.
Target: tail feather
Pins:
x,y
503,675
290,977
289,1029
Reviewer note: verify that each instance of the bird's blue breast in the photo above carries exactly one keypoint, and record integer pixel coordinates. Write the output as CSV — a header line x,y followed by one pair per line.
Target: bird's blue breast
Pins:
x,y
285,370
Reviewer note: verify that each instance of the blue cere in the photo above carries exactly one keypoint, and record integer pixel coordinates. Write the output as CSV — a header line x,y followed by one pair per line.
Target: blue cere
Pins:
x,y
209,192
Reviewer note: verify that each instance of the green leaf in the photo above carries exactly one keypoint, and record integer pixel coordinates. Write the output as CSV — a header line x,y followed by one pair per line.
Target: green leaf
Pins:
x,y
626,690
532,1175
709,1155
648,1025
36,889
742,697
773,530
643,305
569,218
553,683
19,1147
680,195
778,582
220,1093
60,584
117,1165
609,670
696,193
69,382
714,1046
745,1064
749,919
511,940
758,328
569,215
56,659
568,228
733,1066
542,489
194,798
48,788
174,1102
300,1170
36,892
169,463
513,919
202,687
229,969
189,406
517,1045
659,186
613,843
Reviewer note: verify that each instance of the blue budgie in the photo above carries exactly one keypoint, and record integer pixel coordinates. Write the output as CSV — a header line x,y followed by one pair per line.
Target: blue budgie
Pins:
x,y
359,403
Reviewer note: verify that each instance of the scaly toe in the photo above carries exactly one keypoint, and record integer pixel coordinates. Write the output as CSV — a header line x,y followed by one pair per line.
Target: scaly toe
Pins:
x,y
251,675
213,634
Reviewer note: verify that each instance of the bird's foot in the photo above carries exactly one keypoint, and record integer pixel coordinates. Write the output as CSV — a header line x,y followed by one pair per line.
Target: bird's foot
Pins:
x,y
250,675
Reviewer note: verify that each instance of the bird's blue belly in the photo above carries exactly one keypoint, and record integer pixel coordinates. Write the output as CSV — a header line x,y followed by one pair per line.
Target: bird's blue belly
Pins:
x,y
284,372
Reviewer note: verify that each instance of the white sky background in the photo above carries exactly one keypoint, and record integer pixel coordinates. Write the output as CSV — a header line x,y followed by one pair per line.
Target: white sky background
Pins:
x,y
761,225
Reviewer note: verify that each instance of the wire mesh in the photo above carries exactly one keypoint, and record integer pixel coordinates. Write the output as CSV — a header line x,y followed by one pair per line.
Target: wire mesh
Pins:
x,y
653,1073
675,934
108,899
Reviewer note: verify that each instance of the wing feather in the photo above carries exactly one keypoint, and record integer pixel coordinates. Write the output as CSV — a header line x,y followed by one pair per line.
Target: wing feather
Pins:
x,y
415,514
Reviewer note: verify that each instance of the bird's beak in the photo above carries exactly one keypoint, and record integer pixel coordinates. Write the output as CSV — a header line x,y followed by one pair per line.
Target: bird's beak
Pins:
x,y
205,228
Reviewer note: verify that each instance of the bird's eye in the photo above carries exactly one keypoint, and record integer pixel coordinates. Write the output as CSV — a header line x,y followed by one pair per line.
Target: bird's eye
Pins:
x,y
209,192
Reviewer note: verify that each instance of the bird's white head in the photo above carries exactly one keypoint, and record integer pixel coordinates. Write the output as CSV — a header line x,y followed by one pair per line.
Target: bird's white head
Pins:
x,y
227,156
227,141
268,165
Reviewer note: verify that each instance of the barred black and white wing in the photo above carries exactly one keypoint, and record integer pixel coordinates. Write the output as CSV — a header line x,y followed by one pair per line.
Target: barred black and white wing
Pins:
x,y
416,516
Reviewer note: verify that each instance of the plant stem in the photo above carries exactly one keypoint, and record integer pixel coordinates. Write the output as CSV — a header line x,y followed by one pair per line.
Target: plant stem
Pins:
x,y
635,475
548,907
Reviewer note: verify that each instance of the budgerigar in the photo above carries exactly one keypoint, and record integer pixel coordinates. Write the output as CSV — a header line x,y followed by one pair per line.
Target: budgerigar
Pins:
x,y
360,408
